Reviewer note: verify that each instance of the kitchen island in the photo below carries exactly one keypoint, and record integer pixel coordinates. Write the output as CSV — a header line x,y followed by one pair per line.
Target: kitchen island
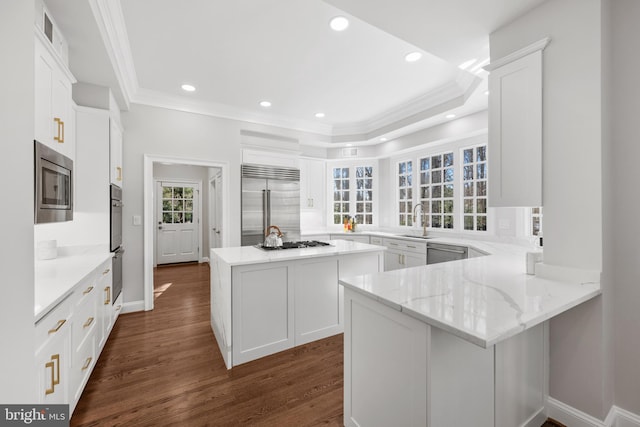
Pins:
x,y
266,301
453,344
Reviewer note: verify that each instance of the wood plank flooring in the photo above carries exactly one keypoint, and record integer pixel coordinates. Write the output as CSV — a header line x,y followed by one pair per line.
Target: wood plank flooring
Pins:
x,y
163,368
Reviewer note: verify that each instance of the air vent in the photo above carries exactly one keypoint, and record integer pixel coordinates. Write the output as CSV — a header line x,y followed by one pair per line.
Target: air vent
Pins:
x,y
270,172
349,152
48,27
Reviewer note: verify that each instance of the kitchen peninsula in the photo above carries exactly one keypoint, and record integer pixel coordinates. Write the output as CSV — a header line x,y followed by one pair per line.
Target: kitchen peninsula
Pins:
x,y
265,301
453,344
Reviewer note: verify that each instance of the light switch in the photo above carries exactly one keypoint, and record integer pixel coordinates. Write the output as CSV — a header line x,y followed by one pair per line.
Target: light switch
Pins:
x,y
137,220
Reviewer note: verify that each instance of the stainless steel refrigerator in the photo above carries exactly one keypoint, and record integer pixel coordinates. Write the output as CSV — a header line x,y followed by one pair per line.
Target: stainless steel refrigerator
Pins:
x,y
270,196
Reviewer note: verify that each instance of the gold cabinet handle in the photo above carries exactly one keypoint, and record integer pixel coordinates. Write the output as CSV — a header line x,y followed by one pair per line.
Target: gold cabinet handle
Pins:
x,y
86,291
119,178
88,322
87,363
60,136
54,364
106,271
108,291
48,391
58,326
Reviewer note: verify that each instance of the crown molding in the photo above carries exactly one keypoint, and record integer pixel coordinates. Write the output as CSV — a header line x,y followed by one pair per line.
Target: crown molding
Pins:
x,y
110,21
520,53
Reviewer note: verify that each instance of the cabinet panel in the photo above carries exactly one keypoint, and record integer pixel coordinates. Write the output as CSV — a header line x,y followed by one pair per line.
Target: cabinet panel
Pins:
x,y
115,148
515,133
52,361
312,184
318,304
262,312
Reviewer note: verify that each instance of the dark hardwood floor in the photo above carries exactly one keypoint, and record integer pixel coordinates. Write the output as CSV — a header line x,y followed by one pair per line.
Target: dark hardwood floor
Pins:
x,y
163,368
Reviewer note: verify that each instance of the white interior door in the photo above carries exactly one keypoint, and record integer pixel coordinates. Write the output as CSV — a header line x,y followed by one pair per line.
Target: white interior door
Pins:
x,y
178,236
218,211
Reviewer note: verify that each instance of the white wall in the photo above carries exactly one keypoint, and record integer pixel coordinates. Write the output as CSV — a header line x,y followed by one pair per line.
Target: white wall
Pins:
x,y
16,172
622,237
572,185
194,174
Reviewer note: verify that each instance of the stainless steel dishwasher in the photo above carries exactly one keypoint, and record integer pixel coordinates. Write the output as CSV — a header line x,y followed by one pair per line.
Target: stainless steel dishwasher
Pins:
x,y
438,252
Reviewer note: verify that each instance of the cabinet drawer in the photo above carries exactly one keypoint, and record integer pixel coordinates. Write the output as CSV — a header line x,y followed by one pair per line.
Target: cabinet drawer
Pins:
x,y
84,320
405,245
86,291
54,323
375,240
84,360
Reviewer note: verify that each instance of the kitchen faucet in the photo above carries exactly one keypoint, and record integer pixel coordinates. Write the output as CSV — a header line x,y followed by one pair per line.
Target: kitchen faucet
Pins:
x,y
424,222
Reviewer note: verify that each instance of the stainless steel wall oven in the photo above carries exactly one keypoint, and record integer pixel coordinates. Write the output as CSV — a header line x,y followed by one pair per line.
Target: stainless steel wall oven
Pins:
x,y
116,239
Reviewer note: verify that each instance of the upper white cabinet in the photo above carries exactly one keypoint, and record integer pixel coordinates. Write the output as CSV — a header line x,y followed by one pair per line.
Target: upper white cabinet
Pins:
x,y
115,147
312,184
53,102
515,128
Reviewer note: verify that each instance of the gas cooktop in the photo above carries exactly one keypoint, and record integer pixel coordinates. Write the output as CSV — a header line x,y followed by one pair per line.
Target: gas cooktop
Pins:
x,y
296,245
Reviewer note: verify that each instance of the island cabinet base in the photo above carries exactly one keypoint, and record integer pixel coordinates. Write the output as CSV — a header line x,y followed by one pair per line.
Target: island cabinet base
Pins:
x,y
260,309
401,371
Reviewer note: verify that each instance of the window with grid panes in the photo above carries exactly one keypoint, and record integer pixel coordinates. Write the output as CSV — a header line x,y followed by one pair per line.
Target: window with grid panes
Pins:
x,y
474,191
436,189
177,205
405,193
536,221
364,195
340,195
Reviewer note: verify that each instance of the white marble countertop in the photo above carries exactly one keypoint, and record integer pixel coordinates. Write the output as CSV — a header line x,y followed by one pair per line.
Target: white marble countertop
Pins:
x,y
483,300
244,255
56,278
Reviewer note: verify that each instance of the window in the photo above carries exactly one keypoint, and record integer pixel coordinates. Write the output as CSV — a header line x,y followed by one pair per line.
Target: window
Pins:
x,y
364,195
177,205
340,195
474,193
536,221
405,193
353,194
436,189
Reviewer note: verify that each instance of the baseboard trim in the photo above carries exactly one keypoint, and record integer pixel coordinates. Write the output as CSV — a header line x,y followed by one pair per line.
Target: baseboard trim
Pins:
x,y
204,259
132,306
567,415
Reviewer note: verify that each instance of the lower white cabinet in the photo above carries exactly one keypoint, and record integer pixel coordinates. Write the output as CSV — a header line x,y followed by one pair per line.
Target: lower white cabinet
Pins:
x,y
402,254
71,336
279,305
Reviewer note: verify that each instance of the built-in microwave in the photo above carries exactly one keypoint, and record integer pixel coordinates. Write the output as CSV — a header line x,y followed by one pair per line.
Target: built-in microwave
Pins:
x,y
53,185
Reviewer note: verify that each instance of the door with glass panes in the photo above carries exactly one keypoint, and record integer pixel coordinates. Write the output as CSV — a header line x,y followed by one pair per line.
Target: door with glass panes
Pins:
x,y
177,228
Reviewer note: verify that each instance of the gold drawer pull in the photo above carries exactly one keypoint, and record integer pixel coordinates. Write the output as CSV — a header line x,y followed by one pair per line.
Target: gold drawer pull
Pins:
x,y
106,271
53,386
108,291
87,363
86,291
88,322
58,326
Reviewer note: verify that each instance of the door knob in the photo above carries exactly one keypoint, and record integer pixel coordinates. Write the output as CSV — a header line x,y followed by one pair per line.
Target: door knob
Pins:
x,y
159,227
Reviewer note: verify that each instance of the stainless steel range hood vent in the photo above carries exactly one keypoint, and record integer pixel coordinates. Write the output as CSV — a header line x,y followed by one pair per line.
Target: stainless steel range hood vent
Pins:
x,y
270,172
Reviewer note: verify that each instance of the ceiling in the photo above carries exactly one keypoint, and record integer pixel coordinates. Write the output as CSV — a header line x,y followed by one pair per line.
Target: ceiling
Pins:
x,y
238,53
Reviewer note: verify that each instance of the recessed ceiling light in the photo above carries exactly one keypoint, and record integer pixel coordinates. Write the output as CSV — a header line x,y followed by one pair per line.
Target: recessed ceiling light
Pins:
x,y
319,115
383,139
265,104
349,145
450,116
339,23
467,64
188,88
413,56
486,92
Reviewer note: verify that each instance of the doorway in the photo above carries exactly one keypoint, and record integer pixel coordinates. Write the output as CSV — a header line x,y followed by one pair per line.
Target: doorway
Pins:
x,y
178,222
156,165
215,210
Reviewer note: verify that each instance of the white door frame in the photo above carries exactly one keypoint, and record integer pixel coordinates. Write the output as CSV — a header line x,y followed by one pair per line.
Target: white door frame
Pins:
x,y
155,217
149,226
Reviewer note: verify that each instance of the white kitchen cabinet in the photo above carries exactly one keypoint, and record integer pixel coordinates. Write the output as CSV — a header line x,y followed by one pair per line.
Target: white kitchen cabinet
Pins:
x,y
375,240
515,128
106,312
53,124
53,351
403,253
115,148
313,184
352,237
